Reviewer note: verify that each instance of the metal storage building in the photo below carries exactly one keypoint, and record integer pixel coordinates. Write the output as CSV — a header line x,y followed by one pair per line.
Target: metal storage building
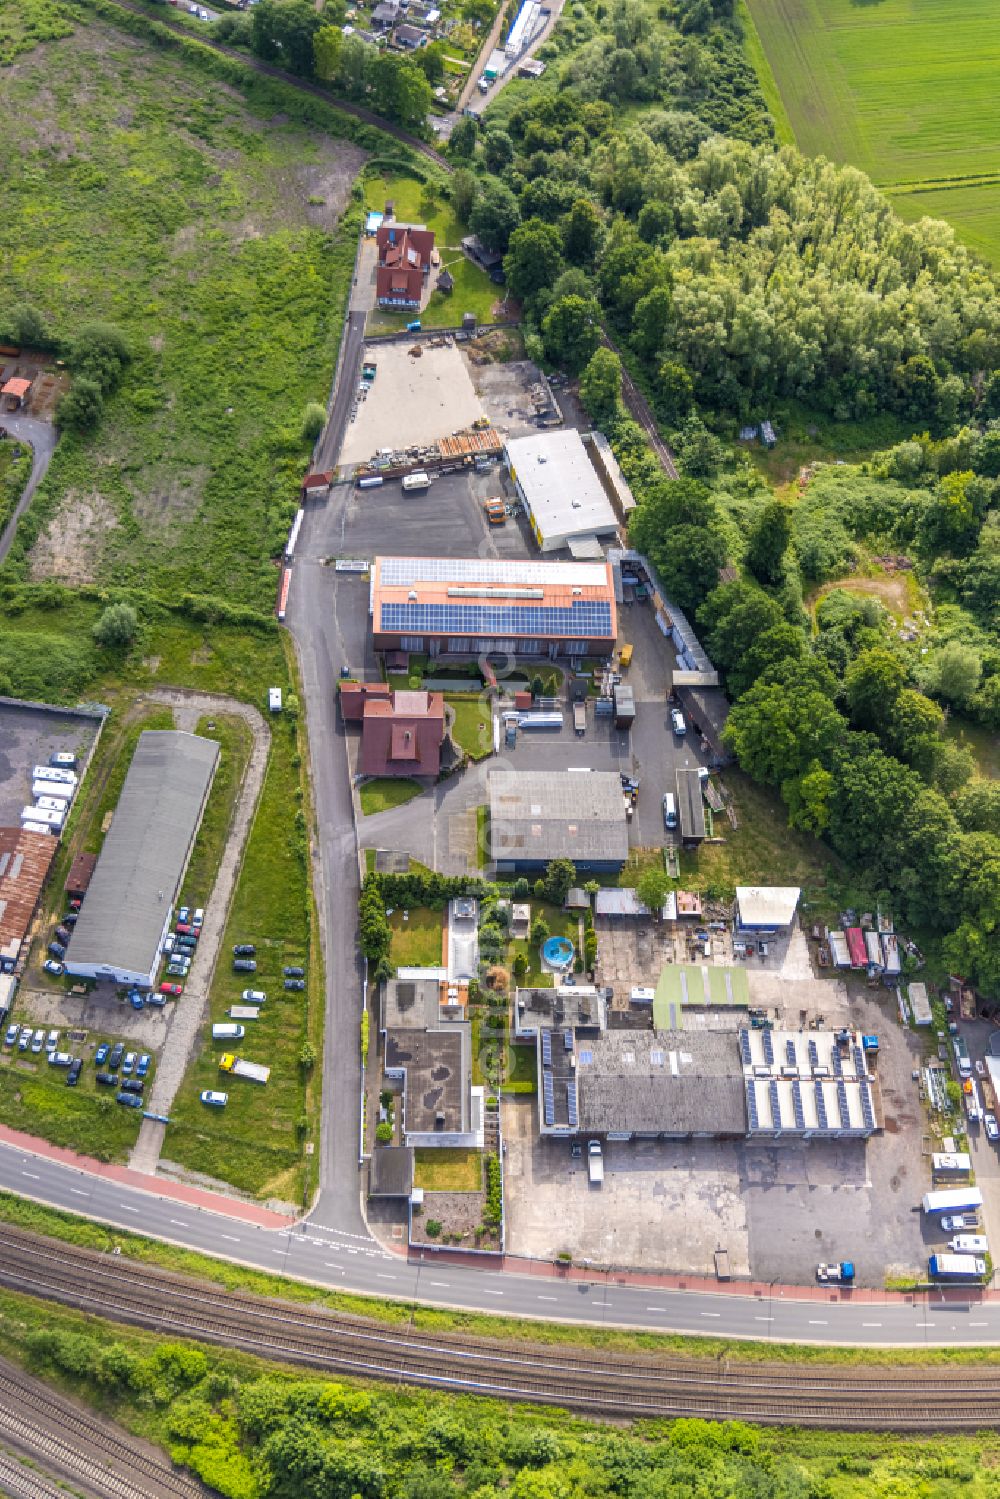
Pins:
x,y
690,806
536,816
560,488
766,908
131,896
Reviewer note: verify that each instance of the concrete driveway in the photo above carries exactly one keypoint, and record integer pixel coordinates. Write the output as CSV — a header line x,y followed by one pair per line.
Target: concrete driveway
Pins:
x,y
43,438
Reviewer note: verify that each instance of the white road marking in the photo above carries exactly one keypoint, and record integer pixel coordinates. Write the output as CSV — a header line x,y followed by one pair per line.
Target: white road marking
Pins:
x,y
818,1324
548,1298
177,1223
871,1324
442,1283
381,1275
231,1238
711,1314
79,1192
763,1319
654,1308
126,1209
487,1292
330,1266
33,1174
979,1324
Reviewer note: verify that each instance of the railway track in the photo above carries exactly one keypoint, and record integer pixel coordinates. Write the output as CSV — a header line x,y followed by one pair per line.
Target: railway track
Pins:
x,y
68,1441
609,1385
269,70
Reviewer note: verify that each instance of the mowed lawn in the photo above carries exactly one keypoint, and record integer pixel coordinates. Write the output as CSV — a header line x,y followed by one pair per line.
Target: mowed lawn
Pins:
x,y
906,91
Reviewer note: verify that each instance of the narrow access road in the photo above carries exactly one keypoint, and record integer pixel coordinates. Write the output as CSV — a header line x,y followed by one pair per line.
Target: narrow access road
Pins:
x,y
638,408
43,438
472,85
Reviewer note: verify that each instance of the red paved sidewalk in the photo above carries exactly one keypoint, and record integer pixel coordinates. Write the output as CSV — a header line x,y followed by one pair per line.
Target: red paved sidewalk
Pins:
x,y
213,1202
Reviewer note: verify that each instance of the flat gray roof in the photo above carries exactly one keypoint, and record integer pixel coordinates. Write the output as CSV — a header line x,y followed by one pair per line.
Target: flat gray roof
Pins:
x,y
577,1007
391,1172
536,816
690,804
146,851
560,484
437,1064
670,1082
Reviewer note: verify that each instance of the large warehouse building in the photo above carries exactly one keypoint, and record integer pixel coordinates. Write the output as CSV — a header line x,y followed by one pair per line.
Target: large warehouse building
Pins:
x,y
130,899
471,606
560,489
536,816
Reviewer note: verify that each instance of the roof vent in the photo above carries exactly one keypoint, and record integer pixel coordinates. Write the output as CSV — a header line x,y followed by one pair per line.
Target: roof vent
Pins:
x,y
412,594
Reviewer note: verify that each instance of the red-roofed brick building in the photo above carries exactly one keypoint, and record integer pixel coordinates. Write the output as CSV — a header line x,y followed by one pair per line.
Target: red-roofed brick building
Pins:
x,y
354,695
404,264
15,393
402,735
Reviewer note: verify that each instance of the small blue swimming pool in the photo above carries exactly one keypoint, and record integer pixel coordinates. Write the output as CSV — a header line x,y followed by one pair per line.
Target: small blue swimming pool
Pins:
x,y
558,952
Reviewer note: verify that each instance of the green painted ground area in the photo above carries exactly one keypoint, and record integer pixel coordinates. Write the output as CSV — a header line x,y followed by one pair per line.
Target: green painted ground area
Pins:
x,y
683,984
905,90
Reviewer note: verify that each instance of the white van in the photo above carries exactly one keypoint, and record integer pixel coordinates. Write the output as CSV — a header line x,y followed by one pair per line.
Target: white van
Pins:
x,y
969,1244
228,1032
669,810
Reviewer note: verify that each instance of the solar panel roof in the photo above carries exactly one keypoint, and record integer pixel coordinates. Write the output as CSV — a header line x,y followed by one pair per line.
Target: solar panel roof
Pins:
x,y
583,619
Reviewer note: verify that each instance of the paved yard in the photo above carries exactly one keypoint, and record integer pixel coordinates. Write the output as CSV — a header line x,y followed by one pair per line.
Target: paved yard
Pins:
x,y
411,401
28,736
662,1205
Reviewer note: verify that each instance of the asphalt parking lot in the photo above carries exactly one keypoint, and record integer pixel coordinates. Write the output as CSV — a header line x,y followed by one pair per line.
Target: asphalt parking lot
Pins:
x,y
28,736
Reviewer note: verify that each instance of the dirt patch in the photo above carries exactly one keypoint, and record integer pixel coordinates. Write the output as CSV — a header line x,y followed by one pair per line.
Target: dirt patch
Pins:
x,y
169,498
893,593
69,549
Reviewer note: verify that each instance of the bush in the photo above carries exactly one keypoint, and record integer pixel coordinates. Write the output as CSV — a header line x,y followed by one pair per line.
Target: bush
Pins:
x,y
313,421
80,408
117,627
433,1227
493,1211
383,1133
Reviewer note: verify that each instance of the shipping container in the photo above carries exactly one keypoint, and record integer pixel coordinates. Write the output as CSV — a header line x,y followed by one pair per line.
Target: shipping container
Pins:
x,y
956,1267
874,949
952,1200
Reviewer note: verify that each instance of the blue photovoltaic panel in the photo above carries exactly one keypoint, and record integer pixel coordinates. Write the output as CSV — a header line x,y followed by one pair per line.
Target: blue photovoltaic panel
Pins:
x,y
800,1118
765,1037
745,1052
752,1105
790,1052
401,571
548,1097
585,618
859,1061
845,1113
568,1040
867,1111
546,1048
813,1054
571,1104
772,1089
821,1107
838,1062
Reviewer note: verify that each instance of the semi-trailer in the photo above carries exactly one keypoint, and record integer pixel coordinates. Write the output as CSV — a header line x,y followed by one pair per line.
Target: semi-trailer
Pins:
x,y
239,1067
956,1267
953,1200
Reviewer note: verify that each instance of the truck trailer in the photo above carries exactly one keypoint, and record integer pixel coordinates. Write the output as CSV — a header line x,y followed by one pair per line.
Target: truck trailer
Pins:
x,y
953,1200
255,1071
962,1060
595,1163
956,1267
53,773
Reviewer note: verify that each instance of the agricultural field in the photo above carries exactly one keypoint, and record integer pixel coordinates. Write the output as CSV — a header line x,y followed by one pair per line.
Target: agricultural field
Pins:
x,y
905,91
206,228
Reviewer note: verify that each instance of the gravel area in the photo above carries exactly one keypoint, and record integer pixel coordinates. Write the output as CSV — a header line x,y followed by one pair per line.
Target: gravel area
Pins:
x,y
412,401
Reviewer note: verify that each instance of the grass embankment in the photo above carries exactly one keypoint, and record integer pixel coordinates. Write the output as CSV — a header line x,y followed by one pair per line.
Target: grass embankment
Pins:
x,y
416,203
252,1429
383,792
904,90
206,228
80,1231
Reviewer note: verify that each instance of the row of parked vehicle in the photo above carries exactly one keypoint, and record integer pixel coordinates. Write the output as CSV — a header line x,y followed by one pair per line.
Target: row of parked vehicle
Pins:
x,y
54,964
179,948
245,961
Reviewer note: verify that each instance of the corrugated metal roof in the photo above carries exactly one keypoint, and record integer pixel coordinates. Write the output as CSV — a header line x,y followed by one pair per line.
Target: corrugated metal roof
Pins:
x,y
542,815
145,851
25,859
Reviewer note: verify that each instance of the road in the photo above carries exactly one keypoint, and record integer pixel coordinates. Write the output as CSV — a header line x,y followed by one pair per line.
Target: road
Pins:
x,y
327,1251
42,436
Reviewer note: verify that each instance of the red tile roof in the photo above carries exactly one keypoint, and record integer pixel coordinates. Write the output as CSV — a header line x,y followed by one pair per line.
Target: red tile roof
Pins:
x,y
17,387
24,863
404,255
402,737
354,695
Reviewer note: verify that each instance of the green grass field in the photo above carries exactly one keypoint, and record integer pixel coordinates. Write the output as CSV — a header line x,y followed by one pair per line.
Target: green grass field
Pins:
x,y
904,89
383,792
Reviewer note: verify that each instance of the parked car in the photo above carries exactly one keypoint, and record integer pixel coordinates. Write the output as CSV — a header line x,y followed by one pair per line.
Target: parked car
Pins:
x,y
70,919
677,722
215,1099
176,971
25,1038
129,1100
182,929
168,943
73,1075
244,965
184,914
52,1041
75,903
57,950
129,1063
295,983
11,1035
253,996
63,760
185,944
244,950
980,1067
173,990
142,1066
56,969
136,1000
157,1000
106,1079
63,934
60,1059
992,1128
198,919
38,1041
115,1059
959,1223
294,973
101,1054
133,1085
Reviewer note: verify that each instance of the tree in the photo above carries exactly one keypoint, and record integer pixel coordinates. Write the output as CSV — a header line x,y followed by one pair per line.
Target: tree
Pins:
x,y
572,332
807,798
601,386
328,49
916,388
313,421
495,215
678,526
539,931
949,523
26,325
953,672
872,684
673,395
977,807
785,723
464,138
652,888
498,151
533,260
651,320
582,232
768,542
463,187
284,31
117,627
80,408
560,877
100,352
520,967
912,728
